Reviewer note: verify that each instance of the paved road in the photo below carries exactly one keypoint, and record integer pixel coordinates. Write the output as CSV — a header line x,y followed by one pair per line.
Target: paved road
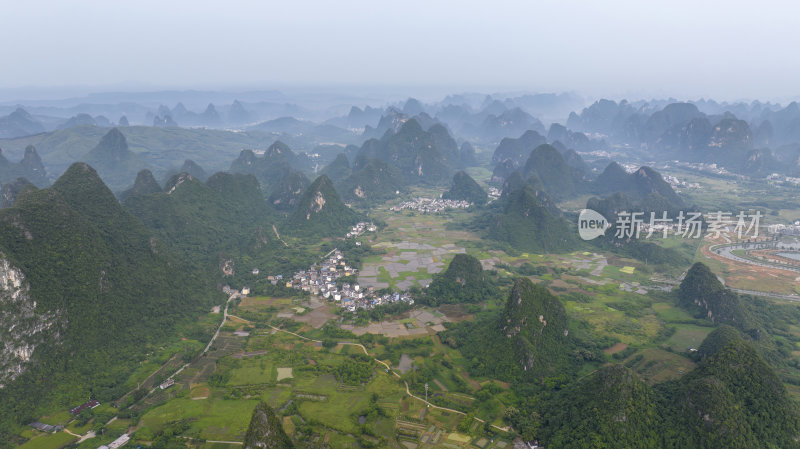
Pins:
x,y
214,441
726,251
211,342
794,298
224,319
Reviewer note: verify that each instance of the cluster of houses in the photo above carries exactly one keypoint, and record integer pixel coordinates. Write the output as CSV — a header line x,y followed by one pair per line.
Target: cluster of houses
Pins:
x,y
325,279
703,167
430,205
321,278
360,228
784,229
783,179
677,184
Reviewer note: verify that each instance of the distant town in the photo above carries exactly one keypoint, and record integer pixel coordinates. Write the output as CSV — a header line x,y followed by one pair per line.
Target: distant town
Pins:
x,y
781,179
430,205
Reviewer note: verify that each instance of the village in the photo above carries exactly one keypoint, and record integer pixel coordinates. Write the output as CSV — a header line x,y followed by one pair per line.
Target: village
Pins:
x,y
430,205
781,179
360,228
74,412
335,280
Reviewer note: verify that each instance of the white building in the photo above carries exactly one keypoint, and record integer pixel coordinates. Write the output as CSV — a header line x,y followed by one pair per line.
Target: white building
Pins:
x,y
119,442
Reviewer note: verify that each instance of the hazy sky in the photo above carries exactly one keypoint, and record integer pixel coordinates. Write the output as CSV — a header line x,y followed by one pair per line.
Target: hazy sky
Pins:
x,y
683,48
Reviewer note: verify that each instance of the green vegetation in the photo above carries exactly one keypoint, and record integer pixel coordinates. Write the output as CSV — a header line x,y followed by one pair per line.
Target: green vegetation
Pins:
x,y
276,162
529,339
30,168
225,219
524,222
114,161
704,295
421,156
640,185
338,169
265,430
549,167
465,188
731,388
286,194
145,184
49,441
161,148
463,281
321,213
610,408
372,182
609,362
105,283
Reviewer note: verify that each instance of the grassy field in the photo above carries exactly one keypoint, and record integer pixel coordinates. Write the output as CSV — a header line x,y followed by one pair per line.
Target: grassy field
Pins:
x,y
337,411
317,395
255,370
49,441
213,419
657,365
57,418
687,336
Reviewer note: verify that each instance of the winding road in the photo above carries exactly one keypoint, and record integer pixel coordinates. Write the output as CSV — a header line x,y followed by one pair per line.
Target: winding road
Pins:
x,y
726,251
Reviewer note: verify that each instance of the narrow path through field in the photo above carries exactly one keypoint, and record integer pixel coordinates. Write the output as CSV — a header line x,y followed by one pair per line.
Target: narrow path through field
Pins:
x,y
210,342
70,432
275,230
390,370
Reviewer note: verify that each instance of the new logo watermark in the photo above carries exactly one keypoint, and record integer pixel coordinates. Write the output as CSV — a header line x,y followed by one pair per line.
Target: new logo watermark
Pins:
x,y
591,224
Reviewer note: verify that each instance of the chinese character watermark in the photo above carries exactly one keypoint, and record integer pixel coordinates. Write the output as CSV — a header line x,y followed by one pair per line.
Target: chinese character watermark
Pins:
x,y
630,225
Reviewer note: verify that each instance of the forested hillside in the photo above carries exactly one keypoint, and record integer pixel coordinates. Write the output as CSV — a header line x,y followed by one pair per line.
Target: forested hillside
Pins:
x,y
105,289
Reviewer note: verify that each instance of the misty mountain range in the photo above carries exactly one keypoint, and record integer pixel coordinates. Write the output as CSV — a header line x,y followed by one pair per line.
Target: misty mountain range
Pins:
x,y
754,139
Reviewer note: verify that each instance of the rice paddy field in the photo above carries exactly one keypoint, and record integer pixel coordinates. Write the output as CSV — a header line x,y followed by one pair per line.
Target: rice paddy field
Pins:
x,y
302,380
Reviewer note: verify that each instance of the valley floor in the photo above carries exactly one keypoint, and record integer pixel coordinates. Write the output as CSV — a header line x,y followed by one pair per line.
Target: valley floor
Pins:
x,y
344,385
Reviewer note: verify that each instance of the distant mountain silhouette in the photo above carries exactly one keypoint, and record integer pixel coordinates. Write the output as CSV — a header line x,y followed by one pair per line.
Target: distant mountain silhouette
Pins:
x,y
18,124
114,161
30,167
